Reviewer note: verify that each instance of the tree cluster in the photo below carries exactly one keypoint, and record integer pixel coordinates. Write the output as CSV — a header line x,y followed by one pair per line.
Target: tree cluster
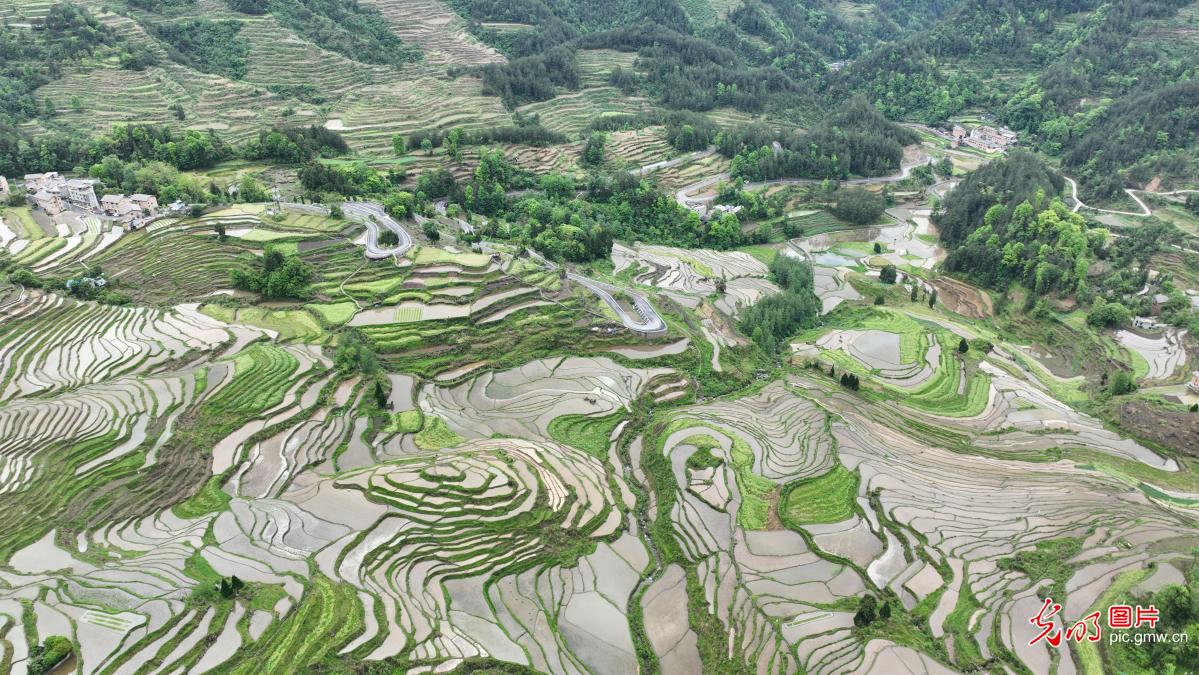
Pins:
x,y
205,45
293,145
858,206
776,318
275,275
857,140
355,30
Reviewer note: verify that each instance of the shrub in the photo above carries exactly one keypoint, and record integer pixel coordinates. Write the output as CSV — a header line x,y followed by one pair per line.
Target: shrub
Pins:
x,y
50,653
431,231
1122,383
22,276
1109,314
354,353
867,611
888,274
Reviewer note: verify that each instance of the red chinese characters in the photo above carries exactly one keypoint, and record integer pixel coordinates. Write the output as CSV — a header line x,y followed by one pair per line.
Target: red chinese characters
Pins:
x,y
1049,631
1119,617
1146,615
1086,628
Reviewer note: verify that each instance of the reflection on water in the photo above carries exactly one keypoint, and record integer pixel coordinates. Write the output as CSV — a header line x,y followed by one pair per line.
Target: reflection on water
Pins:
x,y
830,259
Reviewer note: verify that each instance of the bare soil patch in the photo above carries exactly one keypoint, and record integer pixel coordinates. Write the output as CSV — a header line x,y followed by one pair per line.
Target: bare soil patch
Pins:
x,y
1173,429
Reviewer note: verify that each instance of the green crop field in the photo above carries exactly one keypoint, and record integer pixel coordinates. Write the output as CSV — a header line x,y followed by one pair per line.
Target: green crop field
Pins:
x,y
825,499
584,432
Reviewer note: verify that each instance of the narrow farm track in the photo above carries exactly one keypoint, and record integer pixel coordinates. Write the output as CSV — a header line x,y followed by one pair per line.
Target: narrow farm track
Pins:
x,y
688,198
1145,210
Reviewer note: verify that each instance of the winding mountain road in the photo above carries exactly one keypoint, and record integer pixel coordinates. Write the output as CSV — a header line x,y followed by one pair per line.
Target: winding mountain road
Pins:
x,y
647,321
1145,210
372,215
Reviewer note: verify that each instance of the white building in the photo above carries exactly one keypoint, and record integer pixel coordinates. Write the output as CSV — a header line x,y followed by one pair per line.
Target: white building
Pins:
x,y
3,188
1194,385
81,192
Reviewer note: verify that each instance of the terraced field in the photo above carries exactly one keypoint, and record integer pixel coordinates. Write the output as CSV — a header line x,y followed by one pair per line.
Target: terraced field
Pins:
x,y
440,33
369,116
447,461
571,112
235,109
494,511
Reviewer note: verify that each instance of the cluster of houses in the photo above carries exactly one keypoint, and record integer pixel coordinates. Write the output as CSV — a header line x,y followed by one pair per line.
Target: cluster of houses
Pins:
x,y
715,212
54,194
993,139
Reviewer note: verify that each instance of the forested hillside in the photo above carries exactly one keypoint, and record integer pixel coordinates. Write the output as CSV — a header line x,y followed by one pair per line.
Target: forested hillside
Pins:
x,y
1073,76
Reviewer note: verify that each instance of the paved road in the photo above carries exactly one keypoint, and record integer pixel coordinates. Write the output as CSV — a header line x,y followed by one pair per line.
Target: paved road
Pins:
x,y
646,320
372,215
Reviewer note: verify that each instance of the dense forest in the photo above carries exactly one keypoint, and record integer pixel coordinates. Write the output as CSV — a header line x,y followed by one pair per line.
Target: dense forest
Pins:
x,y
856,141
1008,183
1089,78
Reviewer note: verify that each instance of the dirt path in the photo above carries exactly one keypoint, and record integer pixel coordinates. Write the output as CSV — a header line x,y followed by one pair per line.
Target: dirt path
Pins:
x,y
1145,210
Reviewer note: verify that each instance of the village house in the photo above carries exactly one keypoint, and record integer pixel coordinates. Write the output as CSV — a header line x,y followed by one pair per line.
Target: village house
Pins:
x,y
3,188
35,182
147,203
49,201
81,192
958,135
128,209
51,192
1194,385
111,203
991,138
